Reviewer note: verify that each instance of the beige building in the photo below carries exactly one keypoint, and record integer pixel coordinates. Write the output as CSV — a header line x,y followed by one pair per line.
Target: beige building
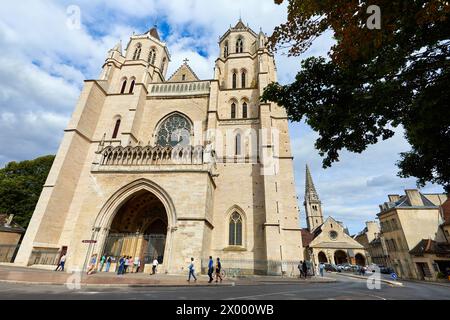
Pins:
x,y
173,167
10,236
327,241
406,221
374,245
432,257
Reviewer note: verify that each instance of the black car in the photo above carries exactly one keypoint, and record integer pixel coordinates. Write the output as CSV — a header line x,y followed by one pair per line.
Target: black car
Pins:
x,y
386,270
331,268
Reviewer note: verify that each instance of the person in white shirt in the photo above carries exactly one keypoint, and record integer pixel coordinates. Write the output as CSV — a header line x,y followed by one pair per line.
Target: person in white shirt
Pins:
x,y
155,265
61,263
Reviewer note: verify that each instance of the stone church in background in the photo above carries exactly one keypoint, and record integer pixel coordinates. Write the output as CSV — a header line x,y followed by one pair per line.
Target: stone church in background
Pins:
x,y
327,241
173,167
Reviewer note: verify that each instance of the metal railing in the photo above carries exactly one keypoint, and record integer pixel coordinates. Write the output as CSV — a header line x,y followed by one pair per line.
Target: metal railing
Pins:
x,y
243,267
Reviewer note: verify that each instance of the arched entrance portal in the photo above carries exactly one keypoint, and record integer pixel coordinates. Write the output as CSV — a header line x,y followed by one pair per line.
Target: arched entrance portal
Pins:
x,y
322,257
340,257
138,230
360,260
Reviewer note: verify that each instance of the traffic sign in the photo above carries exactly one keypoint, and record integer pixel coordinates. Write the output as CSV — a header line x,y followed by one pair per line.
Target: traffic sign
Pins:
x,y
394,276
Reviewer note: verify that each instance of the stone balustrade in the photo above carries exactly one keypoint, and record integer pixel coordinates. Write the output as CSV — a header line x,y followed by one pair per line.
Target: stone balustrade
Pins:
x,y
150,156
179,88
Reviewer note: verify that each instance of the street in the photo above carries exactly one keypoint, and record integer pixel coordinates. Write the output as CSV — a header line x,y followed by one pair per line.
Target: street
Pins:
x,y
344,288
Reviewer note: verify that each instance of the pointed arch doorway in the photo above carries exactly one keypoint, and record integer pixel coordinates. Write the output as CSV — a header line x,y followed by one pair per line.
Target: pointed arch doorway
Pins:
x,y
138,230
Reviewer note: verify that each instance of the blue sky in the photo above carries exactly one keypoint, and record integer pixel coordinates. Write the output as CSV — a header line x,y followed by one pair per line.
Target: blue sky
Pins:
x,y
43,65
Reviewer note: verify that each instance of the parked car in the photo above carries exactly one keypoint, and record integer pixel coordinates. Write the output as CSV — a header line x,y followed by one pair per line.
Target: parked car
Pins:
x,y
331,268
386,270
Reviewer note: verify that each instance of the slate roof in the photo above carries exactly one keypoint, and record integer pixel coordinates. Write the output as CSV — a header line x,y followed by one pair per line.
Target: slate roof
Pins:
x,y
428,246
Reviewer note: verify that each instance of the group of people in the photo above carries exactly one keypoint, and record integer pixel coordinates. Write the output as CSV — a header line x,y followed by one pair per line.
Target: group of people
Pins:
x,y
303,268
213,269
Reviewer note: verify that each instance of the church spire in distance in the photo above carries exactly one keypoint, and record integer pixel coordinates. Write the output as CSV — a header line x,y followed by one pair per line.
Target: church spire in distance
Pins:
x,y
313,206
310,189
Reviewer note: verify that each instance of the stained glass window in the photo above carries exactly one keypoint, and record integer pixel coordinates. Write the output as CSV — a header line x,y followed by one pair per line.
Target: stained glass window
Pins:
x,y
235,230
174,131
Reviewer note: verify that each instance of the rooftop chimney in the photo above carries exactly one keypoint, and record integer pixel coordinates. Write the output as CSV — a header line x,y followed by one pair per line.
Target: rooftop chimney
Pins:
x,y
414,197
9,220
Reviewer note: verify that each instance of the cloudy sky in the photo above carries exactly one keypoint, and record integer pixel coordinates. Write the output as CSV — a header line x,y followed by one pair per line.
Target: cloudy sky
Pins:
x,y
45,58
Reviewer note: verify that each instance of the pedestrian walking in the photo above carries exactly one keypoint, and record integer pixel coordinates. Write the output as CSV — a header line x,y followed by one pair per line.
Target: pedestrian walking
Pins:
x,y
321,268
121,269
305,269
210,269
218,270
131,264
102,263
108,263
300,268
61,263
126,264
192,271
92,264
155,266
137,264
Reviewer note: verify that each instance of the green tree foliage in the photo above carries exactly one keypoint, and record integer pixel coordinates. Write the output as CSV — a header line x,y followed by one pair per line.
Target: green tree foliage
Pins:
x,y
373,80
21,184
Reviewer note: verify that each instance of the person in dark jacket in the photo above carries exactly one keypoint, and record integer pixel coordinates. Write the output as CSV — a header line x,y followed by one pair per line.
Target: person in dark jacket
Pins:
x,y
305,269
210,269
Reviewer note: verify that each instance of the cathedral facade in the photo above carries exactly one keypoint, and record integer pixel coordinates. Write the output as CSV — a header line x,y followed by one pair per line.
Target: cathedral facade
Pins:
x,y
172,167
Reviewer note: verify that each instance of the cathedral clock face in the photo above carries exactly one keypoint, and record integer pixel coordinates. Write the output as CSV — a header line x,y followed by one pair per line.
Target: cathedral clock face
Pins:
x,y
175,131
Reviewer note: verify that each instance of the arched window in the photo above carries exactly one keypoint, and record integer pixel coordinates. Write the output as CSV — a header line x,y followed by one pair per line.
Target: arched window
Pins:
x,y
137,52
116,129
243,79
151,56
238,144
239,46
225,50
175,130
244,110
235,230
233,110
133,83
234,80
124,86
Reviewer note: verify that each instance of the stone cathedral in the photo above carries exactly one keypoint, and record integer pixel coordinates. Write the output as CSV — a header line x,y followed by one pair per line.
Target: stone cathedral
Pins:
x,y
171,166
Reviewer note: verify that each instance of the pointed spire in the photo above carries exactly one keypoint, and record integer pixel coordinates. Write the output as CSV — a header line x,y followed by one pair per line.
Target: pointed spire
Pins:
x,y
118,47
310,189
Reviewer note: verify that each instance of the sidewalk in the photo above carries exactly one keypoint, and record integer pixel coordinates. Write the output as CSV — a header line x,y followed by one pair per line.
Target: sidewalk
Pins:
x,y
30,276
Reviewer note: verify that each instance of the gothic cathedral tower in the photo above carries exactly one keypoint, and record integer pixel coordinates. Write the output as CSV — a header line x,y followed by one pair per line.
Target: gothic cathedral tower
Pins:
x,y
173,167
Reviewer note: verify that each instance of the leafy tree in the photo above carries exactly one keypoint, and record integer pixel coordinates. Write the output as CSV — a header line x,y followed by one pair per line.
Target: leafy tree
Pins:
x,y
21,184
373,80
